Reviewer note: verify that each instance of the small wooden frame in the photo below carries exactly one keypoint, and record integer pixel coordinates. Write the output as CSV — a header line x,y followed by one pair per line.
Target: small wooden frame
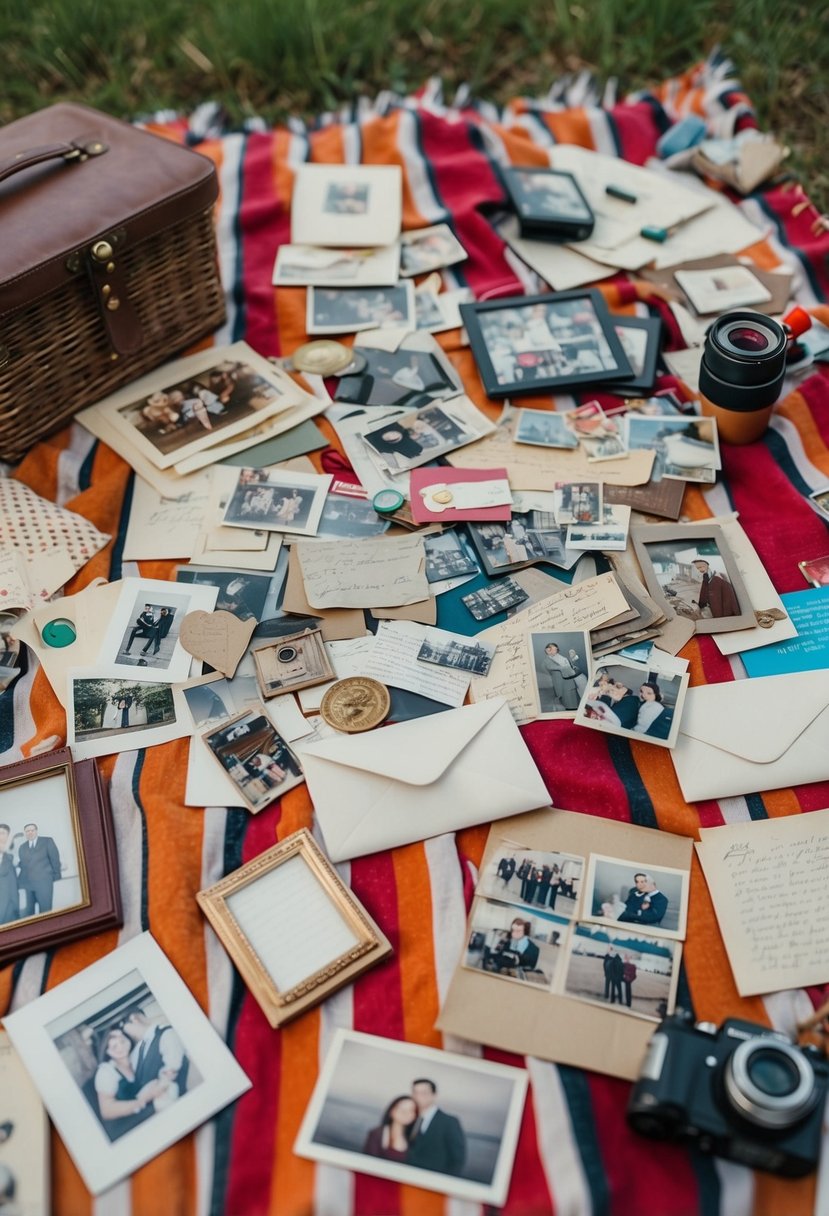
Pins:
x,y
278,939
683,545
299,660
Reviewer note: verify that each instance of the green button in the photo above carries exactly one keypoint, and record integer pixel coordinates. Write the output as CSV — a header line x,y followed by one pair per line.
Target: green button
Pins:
x,y
58,633
386,502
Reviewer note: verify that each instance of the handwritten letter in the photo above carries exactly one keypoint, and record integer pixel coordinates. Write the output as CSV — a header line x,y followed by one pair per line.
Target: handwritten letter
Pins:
x,y
363,573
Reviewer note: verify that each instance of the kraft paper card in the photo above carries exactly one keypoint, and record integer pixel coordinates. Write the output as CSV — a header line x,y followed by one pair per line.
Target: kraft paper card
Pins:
x,y
363,574
336,623
536,1021
532,468
582,606
218,638
768,884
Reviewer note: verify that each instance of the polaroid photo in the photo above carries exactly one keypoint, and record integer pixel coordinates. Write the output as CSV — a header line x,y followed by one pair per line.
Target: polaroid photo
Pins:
x,y
496,597
286,973
514,944
637,895
685,449
578,502
444,1122
531,536
143,632
820,501
561,665
815,571
549,202
448,557
439,312
628,972
402,377
348,310
427,249
638,701
24,1140
544,430
189,405
533,879
640,338
241,592
690,571
714,291
346,205
211,700
544,343
255,757
275,500
456,651
293,662
426,434
125,1061
610,536
107,713
311,266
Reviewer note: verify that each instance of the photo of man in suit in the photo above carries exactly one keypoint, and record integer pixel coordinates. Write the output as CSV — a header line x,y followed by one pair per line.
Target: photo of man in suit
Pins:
x,y
645,904
38,868
144,627
438,1141
9,897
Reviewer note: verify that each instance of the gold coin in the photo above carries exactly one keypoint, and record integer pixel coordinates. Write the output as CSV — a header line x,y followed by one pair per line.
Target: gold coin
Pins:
x,y
442,496
324,357
355,704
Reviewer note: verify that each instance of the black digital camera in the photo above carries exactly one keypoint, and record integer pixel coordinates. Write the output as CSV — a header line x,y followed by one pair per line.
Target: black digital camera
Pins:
x,y
740,1091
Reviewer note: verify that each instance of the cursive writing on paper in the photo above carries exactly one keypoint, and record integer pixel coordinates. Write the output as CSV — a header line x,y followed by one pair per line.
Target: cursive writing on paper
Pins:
x,y
364,573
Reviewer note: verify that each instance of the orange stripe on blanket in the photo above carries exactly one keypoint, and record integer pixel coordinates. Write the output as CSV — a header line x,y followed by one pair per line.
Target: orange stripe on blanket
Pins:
x,y
796,411
69,1195
419,998
569,127
167,1185
794,1197
657,773
48,714
296,811
292,1186
521,148
327,145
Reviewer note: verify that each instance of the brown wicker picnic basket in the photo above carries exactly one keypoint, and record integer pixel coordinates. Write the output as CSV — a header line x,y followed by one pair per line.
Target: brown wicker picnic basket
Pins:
x,y
108,263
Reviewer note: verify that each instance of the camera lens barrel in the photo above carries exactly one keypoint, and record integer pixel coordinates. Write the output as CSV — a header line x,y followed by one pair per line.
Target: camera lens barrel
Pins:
x,y
770,1083
743,361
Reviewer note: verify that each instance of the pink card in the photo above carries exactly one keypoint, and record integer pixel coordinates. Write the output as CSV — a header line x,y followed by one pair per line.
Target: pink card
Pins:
x,y
446,495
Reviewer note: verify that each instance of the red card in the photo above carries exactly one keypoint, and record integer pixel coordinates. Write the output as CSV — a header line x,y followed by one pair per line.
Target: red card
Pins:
x,y
425,479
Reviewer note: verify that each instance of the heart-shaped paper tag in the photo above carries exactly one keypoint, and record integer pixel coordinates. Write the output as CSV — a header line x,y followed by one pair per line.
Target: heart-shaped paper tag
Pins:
x,y
218,638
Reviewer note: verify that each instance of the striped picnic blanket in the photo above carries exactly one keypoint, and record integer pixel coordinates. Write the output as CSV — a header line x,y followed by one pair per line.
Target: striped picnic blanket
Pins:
x,y
575,1154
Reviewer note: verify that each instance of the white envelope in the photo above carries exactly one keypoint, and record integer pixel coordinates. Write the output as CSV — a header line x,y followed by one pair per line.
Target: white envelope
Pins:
x,y
753,735
418,779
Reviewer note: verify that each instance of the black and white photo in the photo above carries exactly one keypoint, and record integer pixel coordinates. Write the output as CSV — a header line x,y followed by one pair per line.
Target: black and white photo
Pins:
x,y
635,700
561,668
401,377
425,434
640,896
142,636
277,501
457,651
628,972
514,944
544,343
125,1061
530,536
533,878
241,592
495,597
608,536
448,556
430,1118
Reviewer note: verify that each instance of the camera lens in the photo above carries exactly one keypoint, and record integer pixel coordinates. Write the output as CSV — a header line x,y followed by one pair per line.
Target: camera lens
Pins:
x,y
769,1083
744,361
286,654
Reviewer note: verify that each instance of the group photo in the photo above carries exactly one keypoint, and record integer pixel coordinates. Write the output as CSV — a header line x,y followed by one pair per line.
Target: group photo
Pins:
x,y
416,1115
653,898
549,881
102,707
262,500
123,1055
633,972
39,865
637,703
514,944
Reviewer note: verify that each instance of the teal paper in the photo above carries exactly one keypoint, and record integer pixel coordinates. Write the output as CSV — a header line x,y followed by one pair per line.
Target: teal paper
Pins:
x,y
305,437
809,651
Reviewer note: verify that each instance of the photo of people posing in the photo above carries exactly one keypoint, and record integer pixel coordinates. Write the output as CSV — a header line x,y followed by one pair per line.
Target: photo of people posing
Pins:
x,y
106,706
174,416
240,591
685,449
530,536
258,760
39,870
634,972
127,1060
401,377
578,502
150,638
276,501
534,879
417,438
561,663
514,944
430,1118
646,897
636,701
429,249
342,310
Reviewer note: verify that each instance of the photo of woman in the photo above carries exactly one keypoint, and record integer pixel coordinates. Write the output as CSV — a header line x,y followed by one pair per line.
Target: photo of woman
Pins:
x,y
635,700
392,1137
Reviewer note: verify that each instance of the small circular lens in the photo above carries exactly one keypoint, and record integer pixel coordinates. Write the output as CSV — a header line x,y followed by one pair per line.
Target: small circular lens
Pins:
x,y
749,340
773,1073
286,654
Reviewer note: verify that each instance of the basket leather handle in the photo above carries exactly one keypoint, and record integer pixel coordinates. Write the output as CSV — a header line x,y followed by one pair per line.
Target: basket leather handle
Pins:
x,y
75,151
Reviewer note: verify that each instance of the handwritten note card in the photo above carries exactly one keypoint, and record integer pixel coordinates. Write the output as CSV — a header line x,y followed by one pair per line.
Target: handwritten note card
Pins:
x,y
769,881
362,573
582,606
393,660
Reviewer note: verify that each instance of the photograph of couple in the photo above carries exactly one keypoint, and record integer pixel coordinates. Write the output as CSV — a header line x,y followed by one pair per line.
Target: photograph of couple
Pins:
x,y
102,707
639,704
39,870
652,898
149,639
632,971
396,1110
125,1057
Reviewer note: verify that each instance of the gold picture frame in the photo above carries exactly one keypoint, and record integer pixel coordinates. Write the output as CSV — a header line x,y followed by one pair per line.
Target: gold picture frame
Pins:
x,y
265,931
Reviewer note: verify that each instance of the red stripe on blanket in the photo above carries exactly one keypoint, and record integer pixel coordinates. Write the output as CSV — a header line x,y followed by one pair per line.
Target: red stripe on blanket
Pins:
x,y
637,130
262,225
576,769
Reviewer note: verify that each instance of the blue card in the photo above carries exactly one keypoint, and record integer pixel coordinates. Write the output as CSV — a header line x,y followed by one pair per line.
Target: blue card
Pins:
x,y
809,651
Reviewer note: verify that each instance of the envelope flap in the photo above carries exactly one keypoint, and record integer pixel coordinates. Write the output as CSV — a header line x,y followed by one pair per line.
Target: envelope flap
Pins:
x,y
416,752
757,720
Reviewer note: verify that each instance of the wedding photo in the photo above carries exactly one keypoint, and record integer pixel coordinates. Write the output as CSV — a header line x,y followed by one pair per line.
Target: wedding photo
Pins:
x,y
40,871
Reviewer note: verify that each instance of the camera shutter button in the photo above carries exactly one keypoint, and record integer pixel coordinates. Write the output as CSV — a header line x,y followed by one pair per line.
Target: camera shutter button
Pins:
x,y
706,1027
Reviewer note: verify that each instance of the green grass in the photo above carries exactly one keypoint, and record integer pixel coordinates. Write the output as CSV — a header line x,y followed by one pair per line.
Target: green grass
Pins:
x,y
276,57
